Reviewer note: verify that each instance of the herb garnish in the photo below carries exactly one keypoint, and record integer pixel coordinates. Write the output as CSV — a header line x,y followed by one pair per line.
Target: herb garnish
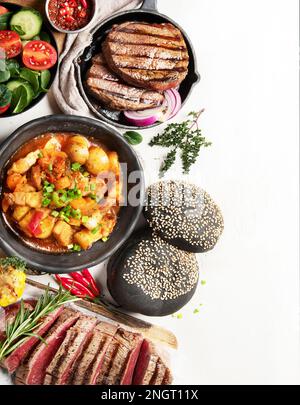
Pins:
x,y
133,137
25,322
185,137
15,262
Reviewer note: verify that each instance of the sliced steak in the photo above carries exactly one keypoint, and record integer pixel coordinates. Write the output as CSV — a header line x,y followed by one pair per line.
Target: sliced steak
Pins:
x,y
13,361
88,365
158,376
146,364
151,369
126,347
151,56
8,314
106,87
33,370
60,368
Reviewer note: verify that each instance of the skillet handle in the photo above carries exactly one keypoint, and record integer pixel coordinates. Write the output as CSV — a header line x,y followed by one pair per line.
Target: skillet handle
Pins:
x,y
149,5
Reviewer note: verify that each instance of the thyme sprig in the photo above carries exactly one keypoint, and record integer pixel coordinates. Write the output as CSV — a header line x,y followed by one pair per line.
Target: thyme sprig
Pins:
x,y
26,321
185,137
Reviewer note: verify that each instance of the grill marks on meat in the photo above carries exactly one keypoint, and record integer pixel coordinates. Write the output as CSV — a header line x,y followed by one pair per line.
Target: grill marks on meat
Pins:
x,y
79,350
152,56
126,350
113,93
33,370
60,368
88,365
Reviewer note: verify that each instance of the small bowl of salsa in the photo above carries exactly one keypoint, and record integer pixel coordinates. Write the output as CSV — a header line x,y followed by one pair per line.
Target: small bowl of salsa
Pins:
x,y
70,16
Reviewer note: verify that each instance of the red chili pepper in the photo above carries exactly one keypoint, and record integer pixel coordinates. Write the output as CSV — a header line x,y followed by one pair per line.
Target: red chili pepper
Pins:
x,y
73,283
34,224
87,275
78,277
74,287
73,3
84,3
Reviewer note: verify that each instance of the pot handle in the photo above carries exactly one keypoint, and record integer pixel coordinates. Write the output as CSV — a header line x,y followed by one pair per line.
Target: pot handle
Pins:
x,y
6,248
149,5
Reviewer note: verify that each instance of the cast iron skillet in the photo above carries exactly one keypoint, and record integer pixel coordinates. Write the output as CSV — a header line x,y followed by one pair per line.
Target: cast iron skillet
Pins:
x,y
148,12
53,70
12,244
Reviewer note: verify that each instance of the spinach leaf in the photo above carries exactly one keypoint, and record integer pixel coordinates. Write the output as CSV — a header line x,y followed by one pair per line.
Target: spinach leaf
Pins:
x,y
133,138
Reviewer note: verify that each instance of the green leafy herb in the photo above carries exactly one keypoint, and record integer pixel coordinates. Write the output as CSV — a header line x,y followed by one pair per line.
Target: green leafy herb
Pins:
x,y
18,29
14,262
4,75
26,321
5,96
134,138
14,67
185,137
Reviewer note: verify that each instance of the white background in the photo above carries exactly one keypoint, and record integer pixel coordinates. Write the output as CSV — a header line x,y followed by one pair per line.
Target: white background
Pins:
x,y
247,331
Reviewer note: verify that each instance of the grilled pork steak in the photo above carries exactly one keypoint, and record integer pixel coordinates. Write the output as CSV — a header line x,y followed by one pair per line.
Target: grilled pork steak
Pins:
x,y
33,370
106,87
13,361
151,56
88,365
61,367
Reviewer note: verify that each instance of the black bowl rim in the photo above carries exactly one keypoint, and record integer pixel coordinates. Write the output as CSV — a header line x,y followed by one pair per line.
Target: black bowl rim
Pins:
x,y
100,116
53,74
5,246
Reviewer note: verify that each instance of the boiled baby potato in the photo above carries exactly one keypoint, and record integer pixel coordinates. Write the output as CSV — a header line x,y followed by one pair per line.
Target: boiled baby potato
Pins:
x,y
98,161
77,148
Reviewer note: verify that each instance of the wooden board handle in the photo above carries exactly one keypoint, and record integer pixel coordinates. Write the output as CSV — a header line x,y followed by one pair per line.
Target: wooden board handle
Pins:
x,y
152,332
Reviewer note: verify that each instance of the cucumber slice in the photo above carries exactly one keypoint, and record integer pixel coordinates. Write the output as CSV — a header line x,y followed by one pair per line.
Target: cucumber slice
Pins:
x,y
13,85
28,21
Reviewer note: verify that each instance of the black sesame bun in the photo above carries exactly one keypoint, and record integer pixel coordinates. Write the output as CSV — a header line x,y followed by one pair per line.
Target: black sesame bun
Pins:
x,y
184,215
151,277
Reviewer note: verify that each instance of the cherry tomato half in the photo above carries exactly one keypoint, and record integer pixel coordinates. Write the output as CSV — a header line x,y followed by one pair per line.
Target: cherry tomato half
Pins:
x,y
11,43
39,55
3,10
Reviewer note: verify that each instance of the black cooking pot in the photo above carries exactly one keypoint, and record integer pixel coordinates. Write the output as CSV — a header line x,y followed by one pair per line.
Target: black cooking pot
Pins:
x,y
148,12
11,242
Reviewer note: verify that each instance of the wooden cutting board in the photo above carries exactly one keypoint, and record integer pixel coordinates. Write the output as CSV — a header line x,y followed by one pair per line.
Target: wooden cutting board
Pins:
x,y
40,5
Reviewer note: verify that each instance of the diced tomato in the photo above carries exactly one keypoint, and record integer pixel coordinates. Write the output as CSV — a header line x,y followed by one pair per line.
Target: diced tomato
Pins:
x,y
3,10
11,43
39,55
34,225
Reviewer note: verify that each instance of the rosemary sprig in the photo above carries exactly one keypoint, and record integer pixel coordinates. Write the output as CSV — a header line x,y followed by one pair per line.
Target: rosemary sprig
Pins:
x,y
26,321
185,137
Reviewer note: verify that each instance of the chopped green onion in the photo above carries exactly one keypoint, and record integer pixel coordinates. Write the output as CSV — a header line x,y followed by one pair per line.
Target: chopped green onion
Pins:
x,y
55,214
76,248
50,167
86,174
105,239
76,167
40,155
46,202
93,187
95,230
84,219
